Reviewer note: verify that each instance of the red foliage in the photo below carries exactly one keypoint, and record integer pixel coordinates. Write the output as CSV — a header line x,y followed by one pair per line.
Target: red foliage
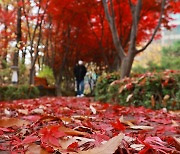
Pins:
x,y
68,124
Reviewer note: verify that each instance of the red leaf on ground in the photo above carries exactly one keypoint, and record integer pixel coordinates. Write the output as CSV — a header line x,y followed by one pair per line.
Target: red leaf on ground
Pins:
x,y
30,139
6,129
32,118
56,132
47,147
54,141
73,145
118,125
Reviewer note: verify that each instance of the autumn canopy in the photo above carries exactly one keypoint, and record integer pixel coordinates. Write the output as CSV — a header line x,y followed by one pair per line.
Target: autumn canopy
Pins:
x,y
109,32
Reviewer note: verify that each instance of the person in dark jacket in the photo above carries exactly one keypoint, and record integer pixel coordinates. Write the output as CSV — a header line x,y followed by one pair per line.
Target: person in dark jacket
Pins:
x,y
80,72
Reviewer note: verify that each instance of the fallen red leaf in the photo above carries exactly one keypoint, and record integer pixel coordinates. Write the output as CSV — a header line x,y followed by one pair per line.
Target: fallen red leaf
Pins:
x,y
118,125
68,123
73,146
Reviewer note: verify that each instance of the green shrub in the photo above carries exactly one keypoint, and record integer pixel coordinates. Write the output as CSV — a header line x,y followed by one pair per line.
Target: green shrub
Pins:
x,y
152,90
18,92
102,85
47,73
23,73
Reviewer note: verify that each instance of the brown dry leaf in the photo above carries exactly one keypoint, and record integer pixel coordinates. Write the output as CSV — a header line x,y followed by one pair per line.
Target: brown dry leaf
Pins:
x,y
66,120
174,103
142,127
93,110
127,122
115,82
142,82
7,112
81,140
129,97
177,140
175,124
36,149
121,89
166,97
23,111
153,102
72,132
38,111
177,113
129,139
9,122
83,129
137,147
108,148
80,117
164,103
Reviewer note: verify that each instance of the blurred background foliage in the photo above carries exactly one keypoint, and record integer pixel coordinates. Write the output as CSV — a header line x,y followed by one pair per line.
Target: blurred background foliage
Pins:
x,y
167,57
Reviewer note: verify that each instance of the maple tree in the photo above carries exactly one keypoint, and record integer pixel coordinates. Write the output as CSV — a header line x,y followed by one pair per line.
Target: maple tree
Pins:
x,y
131,24
58,33
7,18
143,21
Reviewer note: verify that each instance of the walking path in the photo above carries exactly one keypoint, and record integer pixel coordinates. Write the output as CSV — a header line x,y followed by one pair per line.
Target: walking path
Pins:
x,y
73,125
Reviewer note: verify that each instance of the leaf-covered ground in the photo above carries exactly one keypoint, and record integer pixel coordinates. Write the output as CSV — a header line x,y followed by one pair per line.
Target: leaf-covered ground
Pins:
x,y
80,125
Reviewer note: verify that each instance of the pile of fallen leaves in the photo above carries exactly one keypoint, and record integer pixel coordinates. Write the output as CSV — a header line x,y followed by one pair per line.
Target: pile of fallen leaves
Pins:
x,y
80,125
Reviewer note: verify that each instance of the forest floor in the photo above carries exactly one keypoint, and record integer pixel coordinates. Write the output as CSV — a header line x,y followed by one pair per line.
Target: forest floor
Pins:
x,y
80,125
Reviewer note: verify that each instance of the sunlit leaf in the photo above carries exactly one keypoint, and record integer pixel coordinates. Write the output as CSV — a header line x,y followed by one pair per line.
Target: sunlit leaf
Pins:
x,y
137,147
93,109
9,122
108,148
36,149
142,127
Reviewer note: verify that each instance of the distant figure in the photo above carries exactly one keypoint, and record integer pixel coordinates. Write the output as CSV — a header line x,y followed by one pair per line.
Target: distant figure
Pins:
x,y
80,72
91,74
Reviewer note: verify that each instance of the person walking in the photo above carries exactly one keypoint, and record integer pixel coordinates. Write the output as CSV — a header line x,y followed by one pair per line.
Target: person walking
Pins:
x,y
80,72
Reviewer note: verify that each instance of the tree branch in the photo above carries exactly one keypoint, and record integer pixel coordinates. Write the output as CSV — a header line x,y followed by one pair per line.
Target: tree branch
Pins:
x,y
134,29
156,29
130,4
113,29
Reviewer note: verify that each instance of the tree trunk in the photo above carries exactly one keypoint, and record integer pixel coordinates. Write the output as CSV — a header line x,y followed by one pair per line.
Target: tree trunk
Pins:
x,y
31,75
58,87
18,38
126,65
6,38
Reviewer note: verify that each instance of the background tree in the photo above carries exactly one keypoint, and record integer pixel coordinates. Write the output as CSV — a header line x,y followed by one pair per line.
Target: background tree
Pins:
x,y
7,32
141,26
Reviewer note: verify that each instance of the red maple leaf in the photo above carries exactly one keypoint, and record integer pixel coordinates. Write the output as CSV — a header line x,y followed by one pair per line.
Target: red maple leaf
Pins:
x,y
118,125
74,145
